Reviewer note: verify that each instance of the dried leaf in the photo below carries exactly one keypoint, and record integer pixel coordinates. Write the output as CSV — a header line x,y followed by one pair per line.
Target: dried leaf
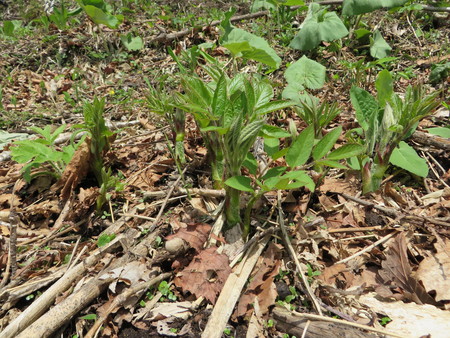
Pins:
x,y
434,272
396,273
205,275
194,234
262,284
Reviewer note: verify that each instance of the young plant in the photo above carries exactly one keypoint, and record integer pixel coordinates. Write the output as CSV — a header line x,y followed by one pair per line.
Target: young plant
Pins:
x,y
297,155
386,121
99,134
230,114
43,150
317,115
162,103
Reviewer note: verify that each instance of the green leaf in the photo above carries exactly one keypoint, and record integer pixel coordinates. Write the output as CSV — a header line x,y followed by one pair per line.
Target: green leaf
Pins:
x,y
406,158
385,87
356,7
100,17
272,106
105,239
333,164
306,72
326,143
274,132
241,183
318,26
439,72
274,172
346,151
249,46
300,150
301,179
8,28
250,163
220,99
132,43
271,146
379,47
440,131
91,316
365,105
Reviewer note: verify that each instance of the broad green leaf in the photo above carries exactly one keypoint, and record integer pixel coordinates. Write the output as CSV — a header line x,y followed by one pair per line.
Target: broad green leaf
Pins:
x,y
250,163
379,47
384,85
274,172
294,92
301,179
365,105
271,146
306,72
439,72
300,151
355,7
241,183
247,45
274,131
318,26
280,154
273,106
346,151
259,5
99,17
440,131
132,43
8,28
326,143
406,158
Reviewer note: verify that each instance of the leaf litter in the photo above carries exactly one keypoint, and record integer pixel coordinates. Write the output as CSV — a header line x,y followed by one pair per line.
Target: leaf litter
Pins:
x,y
54,245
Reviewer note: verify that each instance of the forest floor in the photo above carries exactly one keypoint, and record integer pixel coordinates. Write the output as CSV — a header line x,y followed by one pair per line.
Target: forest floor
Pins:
x,y
152,259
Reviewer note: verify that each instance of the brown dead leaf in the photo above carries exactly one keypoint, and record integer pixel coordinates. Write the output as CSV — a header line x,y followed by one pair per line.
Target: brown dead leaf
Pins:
x,y
396,275
262,285
74,172
434,272
194,234
205,275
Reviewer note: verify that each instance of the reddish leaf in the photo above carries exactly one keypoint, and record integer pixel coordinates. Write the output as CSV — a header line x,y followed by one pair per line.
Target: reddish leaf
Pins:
x,y
205,275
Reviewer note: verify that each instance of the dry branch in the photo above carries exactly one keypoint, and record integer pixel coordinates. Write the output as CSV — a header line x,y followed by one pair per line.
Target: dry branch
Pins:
x,y
41,304
295,324
431,140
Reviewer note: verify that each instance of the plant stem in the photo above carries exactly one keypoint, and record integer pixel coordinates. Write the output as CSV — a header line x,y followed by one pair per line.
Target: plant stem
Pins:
x,y
248,211
232,206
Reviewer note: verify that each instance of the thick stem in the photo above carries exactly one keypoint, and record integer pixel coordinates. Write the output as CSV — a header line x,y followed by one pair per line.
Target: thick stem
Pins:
x,y
232,206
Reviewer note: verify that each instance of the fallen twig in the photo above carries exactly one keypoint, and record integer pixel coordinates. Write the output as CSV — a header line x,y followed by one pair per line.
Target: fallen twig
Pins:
x,y
321,326
368,248
291,251
231,292
38,307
